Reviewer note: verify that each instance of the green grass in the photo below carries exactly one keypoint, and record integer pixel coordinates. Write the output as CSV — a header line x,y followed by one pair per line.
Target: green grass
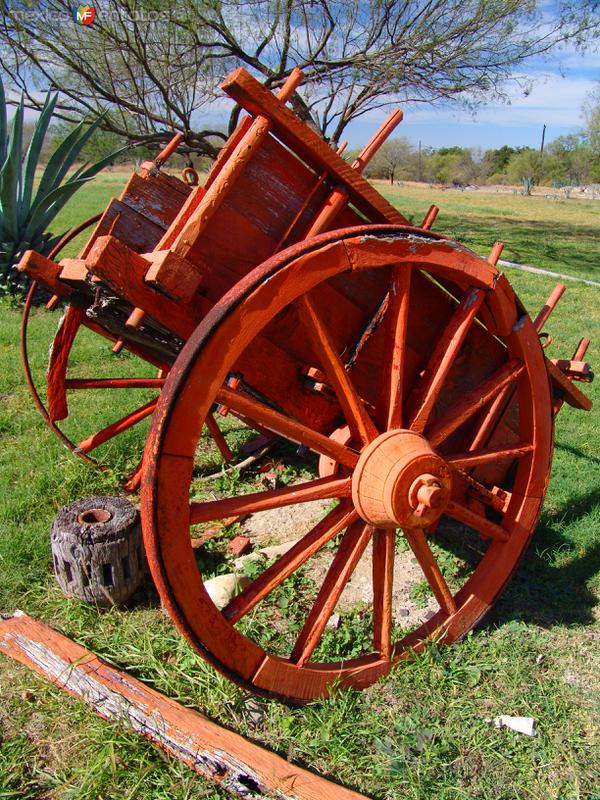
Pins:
x,y
559,235
421,732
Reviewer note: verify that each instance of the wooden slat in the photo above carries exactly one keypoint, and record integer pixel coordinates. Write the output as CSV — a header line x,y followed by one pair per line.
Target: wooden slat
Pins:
x,y
319,489
219,755
418,544
291,429
471,402
356,414
126,223
337,519
256,99
384,548
58,361
345,560
44,270
176,277
124,271
442,359
153,197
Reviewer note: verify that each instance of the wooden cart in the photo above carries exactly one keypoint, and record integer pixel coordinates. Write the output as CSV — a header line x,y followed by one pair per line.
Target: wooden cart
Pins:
x,y
287,291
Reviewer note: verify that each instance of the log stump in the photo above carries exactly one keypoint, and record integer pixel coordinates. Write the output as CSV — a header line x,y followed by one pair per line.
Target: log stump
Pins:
x,y
97,550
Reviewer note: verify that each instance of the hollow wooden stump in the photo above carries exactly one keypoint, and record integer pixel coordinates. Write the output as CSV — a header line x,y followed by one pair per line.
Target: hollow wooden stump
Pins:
x,y
97,550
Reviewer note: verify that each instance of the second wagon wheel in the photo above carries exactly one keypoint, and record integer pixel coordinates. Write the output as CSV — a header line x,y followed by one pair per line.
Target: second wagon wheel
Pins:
x,y
432,418
137,373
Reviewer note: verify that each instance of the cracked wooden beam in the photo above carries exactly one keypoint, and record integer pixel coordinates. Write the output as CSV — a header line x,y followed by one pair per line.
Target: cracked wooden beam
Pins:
x,y
225,758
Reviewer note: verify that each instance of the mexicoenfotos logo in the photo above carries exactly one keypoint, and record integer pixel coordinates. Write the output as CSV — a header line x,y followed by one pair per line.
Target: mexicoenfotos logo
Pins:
x,y
84,15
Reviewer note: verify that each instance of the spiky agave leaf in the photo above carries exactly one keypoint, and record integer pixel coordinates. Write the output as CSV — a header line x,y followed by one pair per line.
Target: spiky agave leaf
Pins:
x,y
33,154
3,125
24,219
49,206
10,176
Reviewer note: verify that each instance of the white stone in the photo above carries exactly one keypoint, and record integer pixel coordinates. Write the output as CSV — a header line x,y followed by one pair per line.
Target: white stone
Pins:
x,y
225,587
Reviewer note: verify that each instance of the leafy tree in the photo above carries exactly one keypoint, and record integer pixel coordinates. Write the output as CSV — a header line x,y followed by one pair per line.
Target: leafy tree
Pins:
x,y
526,164
496,161
591,113
394,160
578,161
454,165
152,66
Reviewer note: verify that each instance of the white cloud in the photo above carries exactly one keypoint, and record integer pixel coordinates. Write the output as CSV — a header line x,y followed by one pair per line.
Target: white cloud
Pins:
x,y
553,100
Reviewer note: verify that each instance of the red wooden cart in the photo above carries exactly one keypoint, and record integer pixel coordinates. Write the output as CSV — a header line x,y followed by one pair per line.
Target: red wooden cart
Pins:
x,y
287,291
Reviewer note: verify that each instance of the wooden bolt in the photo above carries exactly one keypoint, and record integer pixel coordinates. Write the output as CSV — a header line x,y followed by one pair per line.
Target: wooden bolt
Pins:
x,y
429,218
495,253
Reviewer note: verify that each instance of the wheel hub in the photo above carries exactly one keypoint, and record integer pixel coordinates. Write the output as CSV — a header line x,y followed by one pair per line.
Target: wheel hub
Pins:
x,y
400,482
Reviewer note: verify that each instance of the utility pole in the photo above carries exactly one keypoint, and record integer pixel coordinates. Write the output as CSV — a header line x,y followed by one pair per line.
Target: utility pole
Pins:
x,y
420,171
543,137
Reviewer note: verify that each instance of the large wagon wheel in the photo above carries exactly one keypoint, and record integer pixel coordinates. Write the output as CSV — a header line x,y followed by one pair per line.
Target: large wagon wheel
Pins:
x,y
427,441
54,408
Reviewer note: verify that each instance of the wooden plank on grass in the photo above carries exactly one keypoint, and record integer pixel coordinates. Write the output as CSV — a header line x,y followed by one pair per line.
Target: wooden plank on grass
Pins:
x,y
242,768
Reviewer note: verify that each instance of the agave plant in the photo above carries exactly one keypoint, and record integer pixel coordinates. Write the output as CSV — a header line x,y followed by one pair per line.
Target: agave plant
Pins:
x,y
25,214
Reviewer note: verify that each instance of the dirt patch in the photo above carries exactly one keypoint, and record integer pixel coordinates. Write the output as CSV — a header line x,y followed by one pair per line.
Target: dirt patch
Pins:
x,y
412,602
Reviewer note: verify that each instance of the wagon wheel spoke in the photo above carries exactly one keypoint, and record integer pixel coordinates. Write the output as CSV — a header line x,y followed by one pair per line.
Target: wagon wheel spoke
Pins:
x,y
349,552
114,383
394,355
493,417
384,547
359,421
487,455
115,428
337,519
473,401
482,525
319,489
418,544
443,357
218,438
285,426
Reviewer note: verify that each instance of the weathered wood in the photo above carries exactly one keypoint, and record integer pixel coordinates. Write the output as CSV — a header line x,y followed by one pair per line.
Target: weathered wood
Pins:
x,y
124,271
97,550
565,390
153,196
58,359
73,271
225,758
44,270
126,223
257,99
176,277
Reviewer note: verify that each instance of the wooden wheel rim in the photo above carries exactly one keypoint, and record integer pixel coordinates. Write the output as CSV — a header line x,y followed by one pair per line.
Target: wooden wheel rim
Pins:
x,y
24,338
194,382
131,483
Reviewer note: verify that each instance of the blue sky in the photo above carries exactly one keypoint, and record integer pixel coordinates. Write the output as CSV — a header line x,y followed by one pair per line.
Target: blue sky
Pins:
x,y
560,88
556,100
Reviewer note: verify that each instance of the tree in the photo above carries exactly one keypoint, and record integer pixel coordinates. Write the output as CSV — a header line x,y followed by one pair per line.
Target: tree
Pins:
x,y
525,165
577,159
591,113
394,159
495,161
153,66
454,165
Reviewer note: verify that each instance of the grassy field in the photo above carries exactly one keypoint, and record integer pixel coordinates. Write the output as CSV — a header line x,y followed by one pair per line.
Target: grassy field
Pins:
x,y
421,732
